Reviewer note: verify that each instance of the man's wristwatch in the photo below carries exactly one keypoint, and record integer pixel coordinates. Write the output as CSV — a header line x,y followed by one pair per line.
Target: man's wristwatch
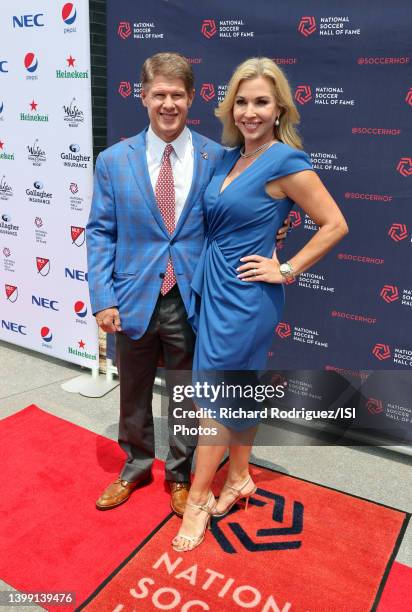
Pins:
x,y
287,271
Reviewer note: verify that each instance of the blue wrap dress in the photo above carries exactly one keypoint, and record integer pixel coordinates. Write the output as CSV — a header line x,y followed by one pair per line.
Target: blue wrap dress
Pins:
x,y
235,319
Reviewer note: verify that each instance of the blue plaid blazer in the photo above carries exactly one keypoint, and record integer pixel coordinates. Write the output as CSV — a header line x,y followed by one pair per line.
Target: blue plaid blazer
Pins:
x,y
128,245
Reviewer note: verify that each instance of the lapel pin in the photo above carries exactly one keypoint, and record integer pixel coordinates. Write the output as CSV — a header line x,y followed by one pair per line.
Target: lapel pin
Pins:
x,y
205,155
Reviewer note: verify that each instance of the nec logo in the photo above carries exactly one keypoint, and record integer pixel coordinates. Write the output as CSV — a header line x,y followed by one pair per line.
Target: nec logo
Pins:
x,y
44,302
28,21
75,274
14,327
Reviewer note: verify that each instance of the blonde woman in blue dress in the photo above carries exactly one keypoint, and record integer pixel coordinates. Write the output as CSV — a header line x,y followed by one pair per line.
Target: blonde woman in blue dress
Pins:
x,y
238,292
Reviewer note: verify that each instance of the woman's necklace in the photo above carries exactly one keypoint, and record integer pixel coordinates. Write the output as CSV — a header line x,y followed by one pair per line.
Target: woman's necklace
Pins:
x,y
261,148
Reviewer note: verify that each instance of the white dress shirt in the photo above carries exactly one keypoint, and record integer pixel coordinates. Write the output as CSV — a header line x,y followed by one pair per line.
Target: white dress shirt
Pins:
x,y
181,160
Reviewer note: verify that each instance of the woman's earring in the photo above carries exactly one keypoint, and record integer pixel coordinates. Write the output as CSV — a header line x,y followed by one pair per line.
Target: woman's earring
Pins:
x,y
277,122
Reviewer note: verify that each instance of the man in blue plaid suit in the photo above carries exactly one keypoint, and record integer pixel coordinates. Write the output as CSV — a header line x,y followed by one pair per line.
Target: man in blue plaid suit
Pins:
x,y
129,247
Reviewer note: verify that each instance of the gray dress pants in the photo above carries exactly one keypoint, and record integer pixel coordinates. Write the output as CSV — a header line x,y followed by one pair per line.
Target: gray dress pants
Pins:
x,y
168,333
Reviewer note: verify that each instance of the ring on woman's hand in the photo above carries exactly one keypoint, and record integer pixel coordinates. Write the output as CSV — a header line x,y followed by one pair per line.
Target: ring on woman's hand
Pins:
x,y
254,271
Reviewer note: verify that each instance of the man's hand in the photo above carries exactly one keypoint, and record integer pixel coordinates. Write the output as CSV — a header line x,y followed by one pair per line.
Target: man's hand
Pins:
x,y
283,231
109,320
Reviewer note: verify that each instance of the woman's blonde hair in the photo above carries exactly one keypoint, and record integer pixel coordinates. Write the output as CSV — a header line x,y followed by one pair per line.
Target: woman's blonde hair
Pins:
x,y
289,115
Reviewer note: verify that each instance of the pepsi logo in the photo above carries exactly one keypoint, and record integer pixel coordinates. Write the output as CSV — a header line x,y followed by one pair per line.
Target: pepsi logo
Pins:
x,y
30,62
69,13
46,334
80,309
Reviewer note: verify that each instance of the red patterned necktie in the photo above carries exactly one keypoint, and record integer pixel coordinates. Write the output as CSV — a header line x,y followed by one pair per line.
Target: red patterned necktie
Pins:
x,y
165,196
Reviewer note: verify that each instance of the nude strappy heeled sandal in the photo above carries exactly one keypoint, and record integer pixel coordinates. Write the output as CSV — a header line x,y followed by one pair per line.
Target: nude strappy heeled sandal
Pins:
x,y
195,541
239,494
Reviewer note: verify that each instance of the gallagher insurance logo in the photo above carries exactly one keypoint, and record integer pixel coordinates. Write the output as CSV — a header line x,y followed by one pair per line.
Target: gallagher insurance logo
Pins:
x,y
398,232
37,194
31,64
303,94
404,166
389,293
75,159
78,235
283,330
209,28
124,30
381,351
307,26
43,266
12,293
207,92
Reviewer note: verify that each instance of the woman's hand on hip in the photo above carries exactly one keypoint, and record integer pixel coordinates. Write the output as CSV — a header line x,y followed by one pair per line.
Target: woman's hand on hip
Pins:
x,y
258,268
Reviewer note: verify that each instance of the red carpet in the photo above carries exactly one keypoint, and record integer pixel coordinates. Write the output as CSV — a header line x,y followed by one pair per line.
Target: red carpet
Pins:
x,y
51,536
300,547
397,596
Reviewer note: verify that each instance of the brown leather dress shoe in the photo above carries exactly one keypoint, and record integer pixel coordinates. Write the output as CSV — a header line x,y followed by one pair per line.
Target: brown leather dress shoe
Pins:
x,y
116,493
179,492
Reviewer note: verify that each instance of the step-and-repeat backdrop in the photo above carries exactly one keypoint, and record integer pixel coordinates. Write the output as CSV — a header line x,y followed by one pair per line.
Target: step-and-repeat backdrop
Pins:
x,y
46,170
350,72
